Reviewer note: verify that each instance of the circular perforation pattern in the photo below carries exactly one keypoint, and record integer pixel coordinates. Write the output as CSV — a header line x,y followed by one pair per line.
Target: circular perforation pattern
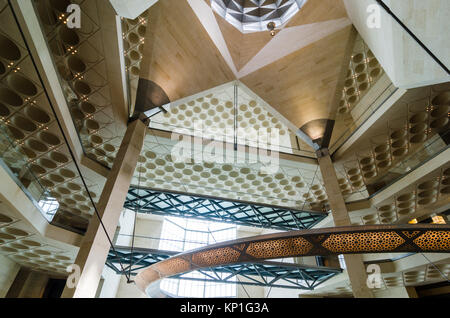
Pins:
x,y
31,243
69,37
37,114
219,118
5,219
8,49
9,97
5,236
15,231
402,142
6,249
363,72
22,85
278,248
434,241
134,41
359,242
215,257
173,265
157,171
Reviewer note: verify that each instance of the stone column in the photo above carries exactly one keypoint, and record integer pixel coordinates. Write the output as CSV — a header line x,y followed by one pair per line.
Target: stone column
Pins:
x,y
28,284
355,265
95,246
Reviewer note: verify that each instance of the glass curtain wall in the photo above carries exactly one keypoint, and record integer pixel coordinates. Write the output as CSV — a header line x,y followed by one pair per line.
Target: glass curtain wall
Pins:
x,y
179,235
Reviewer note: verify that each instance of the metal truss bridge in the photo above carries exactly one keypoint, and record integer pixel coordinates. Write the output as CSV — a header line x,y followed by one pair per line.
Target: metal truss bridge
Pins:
x,y
220,210
264,273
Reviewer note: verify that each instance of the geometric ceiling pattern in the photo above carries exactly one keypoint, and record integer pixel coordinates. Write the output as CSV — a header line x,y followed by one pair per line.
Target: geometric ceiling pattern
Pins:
x,y
410,133
327,18
23,244
430,193
272,67
363,71
254,15
185,58
133,33
302,85
295,184
214,108
299,188
33,146
194,49
81,62
226,113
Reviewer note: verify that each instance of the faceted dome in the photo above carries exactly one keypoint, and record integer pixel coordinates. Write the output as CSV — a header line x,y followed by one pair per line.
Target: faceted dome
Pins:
x,y
254,15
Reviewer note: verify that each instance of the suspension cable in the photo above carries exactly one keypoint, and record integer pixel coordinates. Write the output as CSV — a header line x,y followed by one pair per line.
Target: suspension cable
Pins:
x,y
392,14
136,211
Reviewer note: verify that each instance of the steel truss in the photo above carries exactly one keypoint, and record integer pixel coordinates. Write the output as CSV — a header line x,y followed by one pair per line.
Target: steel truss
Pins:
x,y
219,210
264,273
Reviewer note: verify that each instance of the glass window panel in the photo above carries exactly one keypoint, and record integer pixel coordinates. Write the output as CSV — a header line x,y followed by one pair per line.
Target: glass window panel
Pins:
x,y
185,234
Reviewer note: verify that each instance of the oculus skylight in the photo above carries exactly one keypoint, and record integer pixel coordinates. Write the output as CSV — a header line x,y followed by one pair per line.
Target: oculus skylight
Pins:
x,y
254,15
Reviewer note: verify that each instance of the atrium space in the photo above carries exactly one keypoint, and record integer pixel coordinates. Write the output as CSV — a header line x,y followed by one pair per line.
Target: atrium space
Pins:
x,y
238,149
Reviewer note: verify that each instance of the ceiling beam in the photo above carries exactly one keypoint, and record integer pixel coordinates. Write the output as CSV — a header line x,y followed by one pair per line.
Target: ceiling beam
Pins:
x,y
131,9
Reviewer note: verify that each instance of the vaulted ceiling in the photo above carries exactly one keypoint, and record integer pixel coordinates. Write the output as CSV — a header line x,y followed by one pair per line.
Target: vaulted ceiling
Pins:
x,y
190,48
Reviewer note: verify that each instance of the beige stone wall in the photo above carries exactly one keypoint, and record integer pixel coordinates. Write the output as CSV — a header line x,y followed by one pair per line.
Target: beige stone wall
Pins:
x,y
8,272
126,290
110,283
281,292
406,63
148,227
34,286
253,291
115,286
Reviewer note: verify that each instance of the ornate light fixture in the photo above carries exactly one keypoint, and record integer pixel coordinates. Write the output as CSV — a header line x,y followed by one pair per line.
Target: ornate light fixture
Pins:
x,y
256,15
271,28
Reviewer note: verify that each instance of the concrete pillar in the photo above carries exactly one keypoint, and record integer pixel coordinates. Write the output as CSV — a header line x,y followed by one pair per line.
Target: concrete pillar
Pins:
x,y
8,272
355,265
337,203
411,292
18,283
95,246
357,274
28,284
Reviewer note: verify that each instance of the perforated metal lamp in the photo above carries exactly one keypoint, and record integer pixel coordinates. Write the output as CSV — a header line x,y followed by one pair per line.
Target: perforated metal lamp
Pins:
x,y
271,28
423,238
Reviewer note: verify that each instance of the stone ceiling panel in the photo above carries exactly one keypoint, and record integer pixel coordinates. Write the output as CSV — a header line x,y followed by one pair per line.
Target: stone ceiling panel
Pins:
x,y
318,11
302,85
180,57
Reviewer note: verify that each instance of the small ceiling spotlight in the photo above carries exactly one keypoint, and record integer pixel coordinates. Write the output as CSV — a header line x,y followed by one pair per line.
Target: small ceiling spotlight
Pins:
x,y
271,28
